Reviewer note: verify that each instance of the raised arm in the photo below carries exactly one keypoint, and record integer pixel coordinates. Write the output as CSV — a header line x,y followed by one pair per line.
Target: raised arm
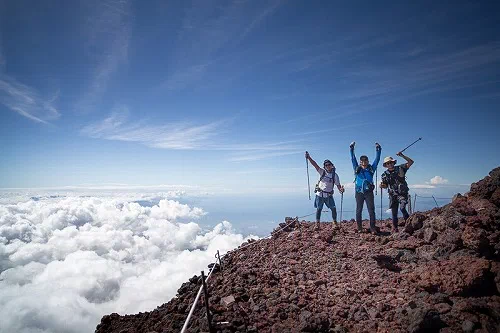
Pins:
x,y
353,156
409,161
313,162
377,157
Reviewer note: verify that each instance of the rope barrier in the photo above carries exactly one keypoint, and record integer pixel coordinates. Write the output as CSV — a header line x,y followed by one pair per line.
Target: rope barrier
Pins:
x,y
421,196
425,197
323,211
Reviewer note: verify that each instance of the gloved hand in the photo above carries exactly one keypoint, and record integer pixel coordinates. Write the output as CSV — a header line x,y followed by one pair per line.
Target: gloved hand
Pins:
x,y
383,185
342,189
352,145
377,146
307,155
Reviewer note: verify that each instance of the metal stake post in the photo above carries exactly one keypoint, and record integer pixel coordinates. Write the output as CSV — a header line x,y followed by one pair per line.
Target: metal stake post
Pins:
x,y
220,263
435,201
205,291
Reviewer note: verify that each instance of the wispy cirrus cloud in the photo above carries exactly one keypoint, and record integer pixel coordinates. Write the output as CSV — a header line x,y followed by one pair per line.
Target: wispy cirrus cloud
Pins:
x,y
289,144
3,61
184,135
258,155
183,78
413,71
265,170
108,34
204,32
443,71
27,101
178,135
245,152
261,16
333,129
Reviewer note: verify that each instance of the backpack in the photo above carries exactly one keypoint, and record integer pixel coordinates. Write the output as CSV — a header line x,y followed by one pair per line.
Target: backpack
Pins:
x,y
323,175
366,186
396,181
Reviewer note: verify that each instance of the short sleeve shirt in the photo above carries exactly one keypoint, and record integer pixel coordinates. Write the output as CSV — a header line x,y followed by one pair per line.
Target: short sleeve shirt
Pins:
x,y
327,182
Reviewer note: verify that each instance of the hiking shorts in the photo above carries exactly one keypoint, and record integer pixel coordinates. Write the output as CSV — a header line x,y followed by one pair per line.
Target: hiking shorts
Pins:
x,y
319,201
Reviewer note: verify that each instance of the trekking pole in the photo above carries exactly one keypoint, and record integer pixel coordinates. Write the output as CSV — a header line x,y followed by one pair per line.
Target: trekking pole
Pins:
x,y
308,184
341,203
409,203
376,180
411,144
381,191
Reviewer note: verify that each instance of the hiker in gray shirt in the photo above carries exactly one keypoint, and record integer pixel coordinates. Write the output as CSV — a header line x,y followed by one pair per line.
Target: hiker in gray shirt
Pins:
x,y
324,190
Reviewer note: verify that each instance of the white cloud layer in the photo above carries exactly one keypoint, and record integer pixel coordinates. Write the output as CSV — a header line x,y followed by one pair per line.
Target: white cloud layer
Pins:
x,y
67,261
421,186
438,180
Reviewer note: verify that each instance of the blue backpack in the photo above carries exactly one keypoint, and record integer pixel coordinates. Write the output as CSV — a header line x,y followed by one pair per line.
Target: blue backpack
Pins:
x,y
366,185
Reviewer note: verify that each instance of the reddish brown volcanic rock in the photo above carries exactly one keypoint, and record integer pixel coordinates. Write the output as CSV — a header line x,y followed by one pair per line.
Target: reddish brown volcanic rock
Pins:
x,y
441,274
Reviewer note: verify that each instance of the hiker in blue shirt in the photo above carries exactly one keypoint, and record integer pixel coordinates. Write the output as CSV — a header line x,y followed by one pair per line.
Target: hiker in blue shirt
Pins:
x,y
364,186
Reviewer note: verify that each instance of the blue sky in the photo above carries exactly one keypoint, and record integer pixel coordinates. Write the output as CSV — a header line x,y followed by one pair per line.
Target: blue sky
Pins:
x,y
229,94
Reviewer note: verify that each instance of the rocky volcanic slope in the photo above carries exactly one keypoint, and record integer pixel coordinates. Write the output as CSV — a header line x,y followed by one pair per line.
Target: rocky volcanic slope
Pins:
x,y
442,273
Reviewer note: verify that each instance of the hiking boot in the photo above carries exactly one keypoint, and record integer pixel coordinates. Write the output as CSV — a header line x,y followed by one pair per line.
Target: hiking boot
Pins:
x,y
317,226
358,230
374,231
336,225
395,230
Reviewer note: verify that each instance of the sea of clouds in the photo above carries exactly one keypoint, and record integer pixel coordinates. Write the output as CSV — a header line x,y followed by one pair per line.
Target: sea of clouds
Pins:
x,y
68,259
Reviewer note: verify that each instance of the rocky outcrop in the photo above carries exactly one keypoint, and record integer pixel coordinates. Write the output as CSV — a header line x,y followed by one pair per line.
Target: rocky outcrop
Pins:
x,y
442,273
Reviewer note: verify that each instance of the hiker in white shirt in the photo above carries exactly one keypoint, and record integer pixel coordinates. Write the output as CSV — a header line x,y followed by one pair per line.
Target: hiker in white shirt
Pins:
x,y
324,189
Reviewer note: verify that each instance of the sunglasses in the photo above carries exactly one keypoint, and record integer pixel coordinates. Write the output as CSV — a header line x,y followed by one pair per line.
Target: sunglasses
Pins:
x,y
328,164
